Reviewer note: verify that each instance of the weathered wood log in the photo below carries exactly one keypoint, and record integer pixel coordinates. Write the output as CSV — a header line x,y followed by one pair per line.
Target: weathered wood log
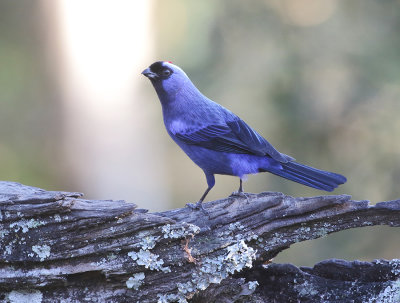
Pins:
x,y
58,247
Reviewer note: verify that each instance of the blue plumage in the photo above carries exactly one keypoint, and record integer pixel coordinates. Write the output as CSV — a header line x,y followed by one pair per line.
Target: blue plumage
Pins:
x,y
217,140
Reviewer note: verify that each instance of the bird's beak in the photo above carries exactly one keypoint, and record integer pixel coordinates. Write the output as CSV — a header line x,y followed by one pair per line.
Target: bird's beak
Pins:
x,y
149,74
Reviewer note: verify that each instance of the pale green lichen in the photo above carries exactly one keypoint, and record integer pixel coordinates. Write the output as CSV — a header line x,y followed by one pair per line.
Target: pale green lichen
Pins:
x,y
149,242
101,262
235,226
136,281
236,232
104,261
57,218
42,251
321,232
276,240
239,256
188,287
25,225
171,298
179,231
214,270
234,229
390,294
395,264
253,285
4,232
251,237
305,289
148,260
111,257
9,248
25,296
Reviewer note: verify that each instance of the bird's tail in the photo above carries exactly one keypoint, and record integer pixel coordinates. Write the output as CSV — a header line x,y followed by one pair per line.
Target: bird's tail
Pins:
x,y
309,176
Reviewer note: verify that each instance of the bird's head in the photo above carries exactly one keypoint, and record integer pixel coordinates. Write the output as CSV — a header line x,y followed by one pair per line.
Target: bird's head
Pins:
x,y
166,77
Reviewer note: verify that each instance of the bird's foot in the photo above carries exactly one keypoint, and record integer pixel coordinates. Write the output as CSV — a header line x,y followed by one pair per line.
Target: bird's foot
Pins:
x,y
197,206
241,194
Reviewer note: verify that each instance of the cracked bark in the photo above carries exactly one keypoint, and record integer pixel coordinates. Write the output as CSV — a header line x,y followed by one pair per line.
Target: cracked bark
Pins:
x,y
59,247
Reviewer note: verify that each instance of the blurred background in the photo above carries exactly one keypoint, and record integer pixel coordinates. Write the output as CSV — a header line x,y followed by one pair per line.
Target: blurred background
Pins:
x,y
320,79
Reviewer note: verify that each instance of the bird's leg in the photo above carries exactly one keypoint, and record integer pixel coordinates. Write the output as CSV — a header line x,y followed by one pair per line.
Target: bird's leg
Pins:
x,y
239,192
199,204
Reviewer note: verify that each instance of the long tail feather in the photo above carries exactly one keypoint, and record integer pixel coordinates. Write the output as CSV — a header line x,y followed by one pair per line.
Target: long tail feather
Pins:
x,y
309,176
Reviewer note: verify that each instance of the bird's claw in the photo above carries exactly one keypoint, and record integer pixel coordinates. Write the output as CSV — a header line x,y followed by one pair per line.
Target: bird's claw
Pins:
x,y
240,194
197,206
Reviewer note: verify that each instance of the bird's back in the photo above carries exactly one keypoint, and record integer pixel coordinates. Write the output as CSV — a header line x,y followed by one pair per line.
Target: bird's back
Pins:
x,y
191,110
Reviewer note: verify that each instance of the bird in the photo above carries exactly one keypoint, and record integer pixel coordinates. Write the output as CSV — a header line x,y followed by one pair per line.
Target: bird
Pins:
x,y
219,141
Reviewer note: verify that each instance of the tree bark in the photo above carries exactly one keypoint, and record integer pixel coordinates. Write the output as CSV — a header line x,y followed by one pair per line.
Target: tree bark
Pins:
x,y
58,247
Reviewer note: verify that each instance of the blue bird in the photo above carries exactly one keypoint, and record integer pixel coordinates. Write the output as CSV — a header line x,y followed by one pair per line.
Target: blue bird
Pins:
x,y
218,141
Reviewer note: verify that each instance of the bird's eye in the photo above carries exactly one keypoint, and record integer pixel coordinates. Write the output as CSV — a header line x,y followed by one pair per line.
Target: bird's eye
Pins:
x,y
166,72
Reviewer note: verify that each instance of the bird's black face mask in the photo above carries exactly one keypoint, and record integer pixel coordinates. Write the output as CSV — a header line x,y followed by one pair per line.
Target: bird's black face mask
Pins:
x,y
157,71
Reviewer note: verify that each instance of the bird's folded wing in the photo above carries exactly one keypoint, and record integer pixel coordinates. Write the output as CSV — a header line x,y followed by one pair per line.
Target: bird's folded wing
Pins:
x,y
233,137
250,137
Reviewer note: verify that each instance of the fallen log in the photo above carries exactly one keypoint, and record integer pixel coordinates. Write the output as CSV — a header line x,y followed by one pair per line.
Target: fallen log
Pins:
x,y
59,247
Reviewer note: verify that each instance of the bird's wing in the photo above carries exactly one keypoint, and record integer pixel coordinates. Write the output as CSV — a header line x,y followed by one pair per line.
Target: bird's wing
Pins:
x,y
233,137
251,138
